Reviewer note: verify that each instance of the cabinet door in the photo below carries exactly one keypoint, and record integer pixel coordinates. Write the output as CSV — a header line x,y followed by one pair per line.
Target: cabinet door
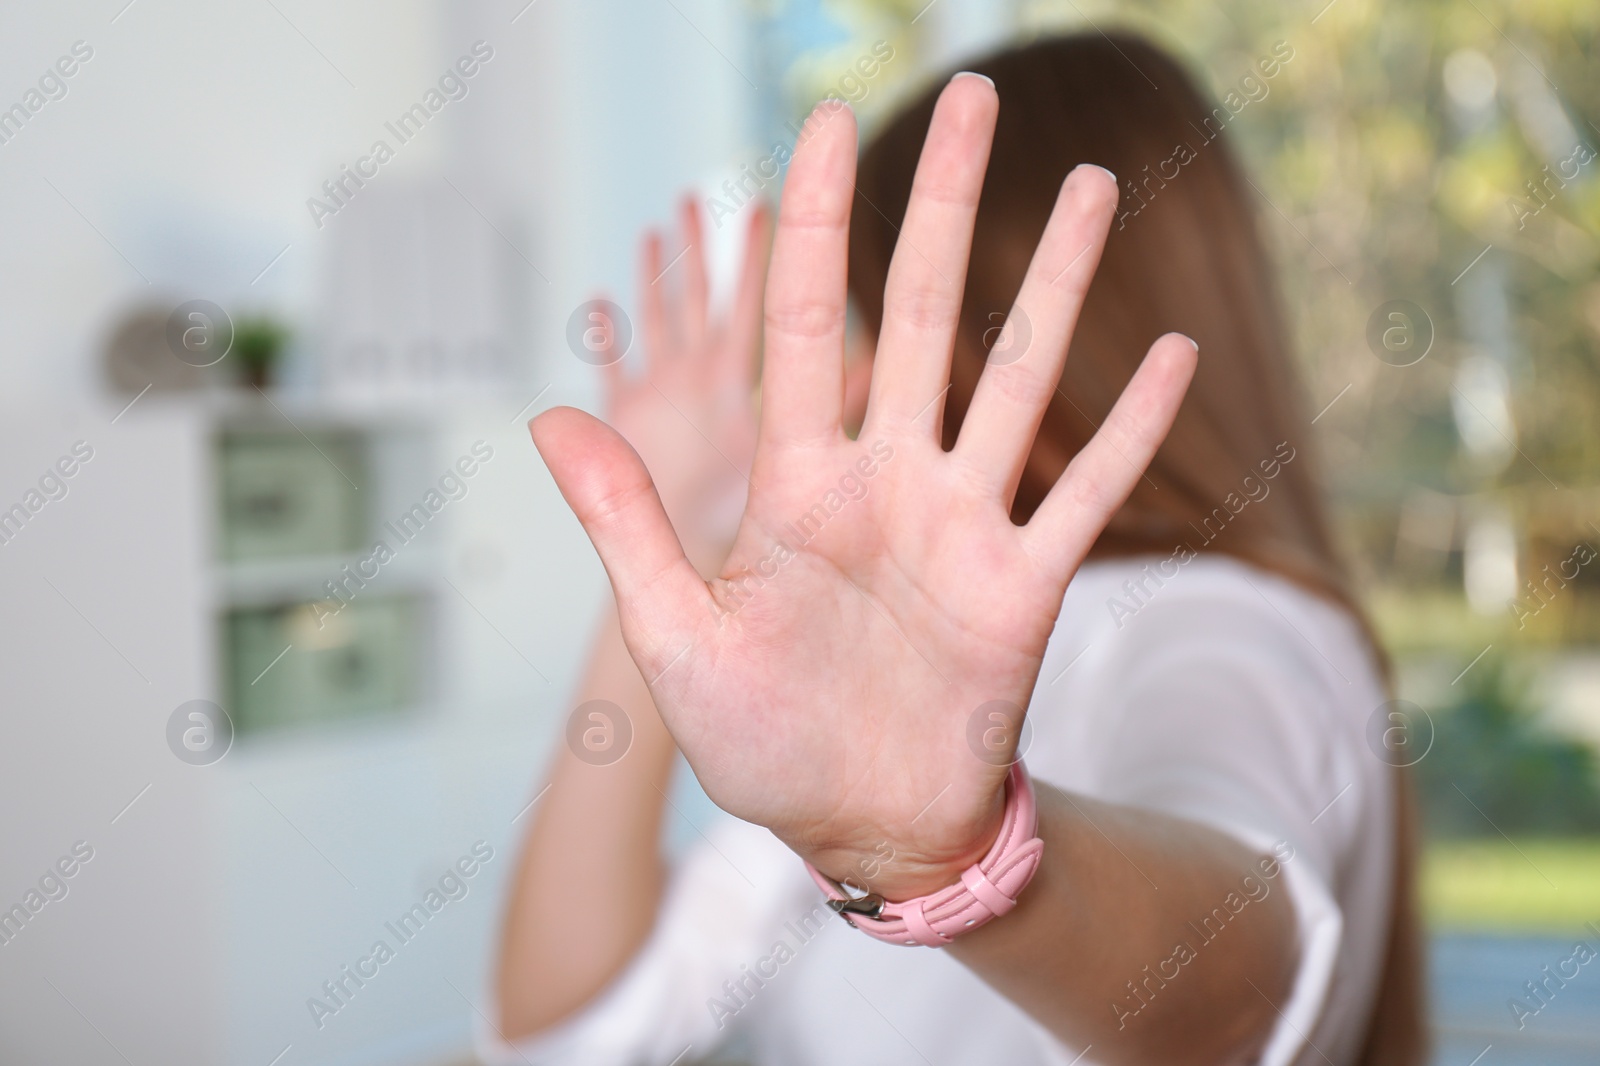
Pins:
x,y
106,631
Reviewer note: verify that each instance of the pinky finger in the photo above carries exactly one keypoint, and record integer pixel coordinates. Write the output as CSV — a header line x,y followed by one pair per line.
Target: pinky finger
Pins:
x,y
1102,475
694,287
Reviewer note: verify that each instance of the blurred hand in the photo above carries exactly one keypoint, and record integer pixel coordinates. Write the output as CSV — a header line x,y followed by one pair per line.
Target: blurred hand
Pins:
x,y
691,414
878,594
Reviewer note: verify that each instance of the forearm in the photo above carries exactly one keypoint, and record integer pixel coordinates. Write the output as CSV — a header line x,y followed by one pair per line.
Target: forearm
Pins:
x,y
592,847
1109,944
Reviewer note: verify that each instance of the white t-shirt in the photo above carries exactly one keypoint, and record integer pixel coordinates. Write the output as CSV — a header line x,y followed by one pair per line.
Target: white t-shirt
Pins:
x,y
1224,695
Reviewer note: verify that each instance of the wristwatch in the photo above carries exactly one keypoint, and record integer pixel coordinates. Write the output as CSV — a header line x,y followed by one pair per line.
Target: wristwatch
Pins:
x,y
986,890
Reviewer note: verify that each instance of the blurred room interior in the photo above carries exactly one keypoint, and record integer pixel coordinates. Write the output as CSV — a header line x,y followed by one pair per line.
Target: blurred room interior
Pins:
x,y
207,180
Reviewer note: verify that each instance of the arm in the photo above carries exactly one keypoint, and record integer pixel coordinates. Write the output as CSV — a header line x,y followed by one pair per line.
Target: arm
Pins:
x,y
878,595
595,831
1214,722
596,828
1091,922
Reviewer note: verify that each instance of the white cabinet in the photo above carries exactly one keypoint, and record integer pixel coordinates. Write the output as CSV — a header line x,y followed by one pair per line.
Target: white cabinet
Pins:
x,y
220,898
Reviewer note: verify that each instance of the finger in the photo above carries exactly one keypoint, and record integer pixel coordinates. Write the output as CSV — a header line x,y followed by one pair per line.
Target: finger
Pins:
x,y
659,594
652,303
744,317
693,281
1025,363
802,391
1100,477
922,297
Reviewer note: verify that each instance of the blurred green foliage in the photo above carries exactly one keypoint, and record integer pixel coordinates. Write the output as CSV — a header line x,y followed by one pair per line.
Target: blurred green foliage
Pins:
x,y
1434,151
1531,884
1493,770
1393,159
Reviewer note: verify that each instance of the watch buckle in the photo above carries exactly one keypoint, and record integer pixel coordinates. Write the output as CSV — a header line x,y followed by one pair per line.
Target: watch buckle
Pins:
x,y
870,905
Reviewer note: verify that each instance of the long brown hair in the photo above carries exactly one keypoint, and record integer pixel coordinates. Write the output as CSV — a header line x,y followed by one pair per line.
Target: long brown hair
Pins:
x,y
1184,254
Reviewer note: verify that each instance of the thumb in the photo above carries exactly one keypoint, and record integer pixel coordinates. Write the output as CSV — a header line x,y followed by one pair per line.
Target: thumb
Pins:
x,y
607,486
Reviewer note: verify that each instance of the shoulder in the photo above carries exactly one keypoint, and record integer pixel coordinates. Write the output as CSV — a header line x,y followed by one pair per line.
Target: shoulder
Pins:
x,y
1156,614
1225,693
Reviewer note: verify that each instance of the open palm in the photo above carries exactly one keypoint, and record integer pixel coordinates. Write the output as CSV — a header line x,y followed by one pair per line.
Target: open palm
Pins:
x,y
691,414
878,597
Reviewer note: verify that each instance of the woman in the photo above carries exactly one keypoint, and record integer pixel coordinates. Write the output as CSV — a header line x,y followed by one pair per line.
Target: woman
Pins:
x,y
1214,866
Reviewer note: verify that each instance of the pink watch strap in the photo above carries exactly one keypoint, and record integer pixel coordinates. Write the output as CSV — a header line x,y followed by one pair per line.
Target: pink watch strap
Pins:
x,y
987,889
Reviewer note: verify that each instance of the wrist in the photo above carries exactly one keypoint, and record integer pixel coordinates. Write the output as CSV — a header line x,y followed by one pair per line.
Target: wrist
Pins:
x,y
983,890
898,867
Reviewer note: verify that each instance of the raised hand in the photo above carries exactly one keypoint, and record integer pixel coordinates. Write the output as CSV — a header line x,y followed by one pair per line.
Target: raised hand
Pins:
x,y
691,414
877,594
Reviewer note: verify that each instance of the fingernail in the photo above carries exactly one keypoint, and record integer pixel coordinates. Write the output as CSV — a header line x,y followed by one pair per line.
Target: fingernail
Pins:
x,y
1102,170
824,112
974,74
826,109
1192,342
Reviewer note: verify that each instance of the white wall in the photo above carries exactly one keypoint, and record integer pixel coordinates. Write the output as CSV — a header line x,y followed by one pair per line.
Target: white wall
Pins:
x,y
196,133
181,159
190,142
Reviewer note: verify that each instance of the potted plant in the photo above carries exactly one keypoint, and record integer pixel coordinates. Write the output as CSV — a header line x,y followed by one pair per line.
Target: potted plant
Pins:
x,y
258,346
